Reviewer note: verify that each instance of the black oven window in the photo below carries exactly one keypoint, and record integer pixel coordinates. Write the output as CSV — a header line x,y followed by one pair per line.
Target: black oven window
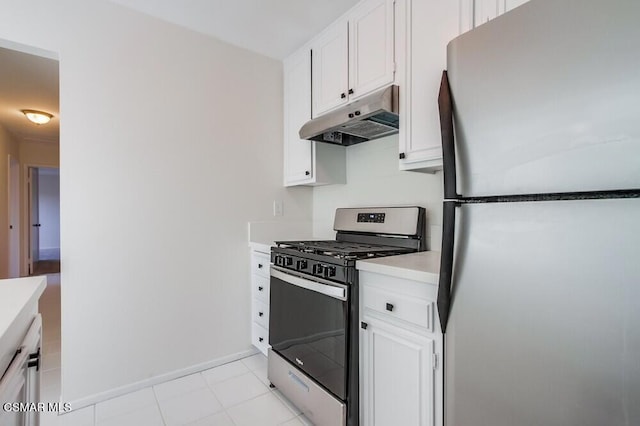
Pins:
x,y
309,329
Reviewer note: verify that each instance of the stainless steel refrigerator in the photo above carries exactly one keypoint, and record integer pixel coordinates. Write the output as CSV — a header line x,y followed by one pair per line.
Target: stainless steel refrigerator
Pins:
x,y
539,293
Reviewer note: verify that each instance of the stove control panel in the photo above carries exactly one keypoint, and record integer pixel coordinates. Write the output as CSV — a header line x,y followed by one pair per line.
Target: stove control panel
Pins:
x,y
311,267
371,217
283,260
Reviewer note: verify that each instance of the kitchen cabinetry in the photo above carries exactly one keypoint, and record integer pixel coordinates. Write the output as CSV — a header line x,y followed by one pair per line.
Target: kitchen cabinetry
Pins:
x,y
477,12
400,341
260,263
423,29
20,342
397,386
305,162
354,56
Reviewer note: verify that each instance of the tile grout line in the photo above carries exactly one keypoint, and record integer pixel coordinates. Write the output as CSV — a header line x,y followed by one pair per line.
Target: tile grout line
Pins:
x,y
269,391
155,396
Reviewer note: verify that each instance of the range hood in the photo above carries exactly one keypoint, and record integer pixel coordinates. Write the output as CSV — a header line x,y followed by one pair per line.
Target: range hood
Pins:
x,y
372,117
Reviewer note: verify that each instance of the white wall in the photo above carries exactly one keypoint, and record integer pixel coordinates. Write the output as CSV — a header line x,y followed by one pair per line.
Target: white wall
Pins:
x,y
49,212
170,143
373,179
8,145
39,154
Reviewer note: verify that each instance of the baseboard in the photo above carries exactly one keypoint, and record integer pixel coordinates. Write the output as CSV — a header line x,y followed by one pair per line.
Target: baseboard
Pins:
x,y
122,390
49,253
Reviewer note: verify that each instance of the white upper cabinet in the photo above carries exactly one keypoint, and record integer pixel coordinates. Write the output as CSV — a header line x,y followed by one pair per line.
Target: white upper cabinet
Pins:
x,y
424,28
510,4
298,154
305,162
477,12
354,56
486,10
330,68
371,48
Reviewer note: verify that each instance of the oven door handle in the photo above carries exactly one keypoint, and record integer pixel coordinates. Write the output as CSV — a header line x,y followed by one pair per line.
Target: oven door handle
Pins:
x,y
335,290
13,379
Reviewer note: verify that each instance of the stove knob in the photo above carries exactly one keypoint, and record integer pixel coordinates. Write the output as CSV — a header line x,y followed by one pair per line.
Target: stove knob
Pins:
x,y
330,271
318,269
301,265
288,261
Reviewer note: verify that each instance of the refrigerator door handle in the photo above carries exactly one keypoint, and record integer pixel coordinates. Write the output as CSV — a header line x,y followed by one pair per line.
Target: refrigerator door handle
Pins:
x,y
445,106
446,262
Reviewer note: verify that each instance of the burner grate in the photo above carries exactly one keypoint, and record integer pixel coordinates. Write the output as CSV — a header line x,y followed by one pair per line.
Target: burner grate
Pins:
x,y
340,249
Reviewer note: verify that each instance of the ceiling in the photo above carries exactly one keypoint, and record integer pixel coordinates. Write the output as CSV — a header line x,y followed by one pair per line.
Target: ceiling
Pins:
x,y
28,82
274,28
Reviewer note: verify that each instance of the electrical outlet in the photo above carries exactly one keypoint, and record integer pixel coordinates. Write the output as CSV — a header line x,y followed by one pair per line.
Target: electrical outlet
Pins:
x,y
277,208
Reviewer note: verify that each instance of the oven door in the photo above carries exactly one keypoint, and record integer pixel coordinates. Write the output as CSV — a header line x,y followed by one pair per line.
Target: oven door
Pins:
x,y
308,320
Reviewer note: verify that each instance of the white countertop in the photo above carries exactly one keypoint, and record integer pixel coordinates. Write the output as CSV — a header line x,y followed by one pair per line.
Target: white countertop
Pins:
x,y
423,266
17,294
261,246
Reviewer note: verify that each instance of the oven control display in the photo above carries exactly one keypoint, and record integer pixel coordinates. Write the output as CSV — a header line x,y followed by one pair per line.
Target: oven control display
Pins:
x,y
371,217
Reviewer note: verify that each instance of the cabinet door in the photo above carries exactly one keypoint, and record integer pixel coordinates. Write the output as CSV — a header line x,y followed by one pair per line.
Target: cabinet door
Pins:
x,y
511,4
371,47
397,375
427,27
330,69
298,153
467,15
486,10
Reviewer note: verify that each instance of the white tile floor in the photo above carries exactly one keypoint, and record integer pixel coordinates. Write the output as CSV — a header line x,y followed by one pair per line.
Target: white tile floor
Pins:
x,y
237,393
50,309
232,394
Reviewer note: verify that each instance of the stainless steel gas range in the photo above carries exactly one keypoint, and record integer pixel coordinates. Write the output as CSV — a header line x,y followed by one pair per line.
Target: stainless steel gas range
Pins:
x,y
313,330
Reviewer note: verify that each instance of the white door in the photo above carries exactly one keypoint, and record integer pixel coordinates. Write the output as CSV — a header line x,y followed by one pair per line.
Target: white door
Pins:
x,y
397,371
298,155
34,221
330,69
371,47
14,217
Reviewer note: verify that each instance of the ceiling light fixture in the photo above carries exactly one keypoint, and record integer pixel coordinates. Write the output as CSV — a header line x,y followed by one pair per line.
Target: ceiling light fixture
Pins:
x,y
38,117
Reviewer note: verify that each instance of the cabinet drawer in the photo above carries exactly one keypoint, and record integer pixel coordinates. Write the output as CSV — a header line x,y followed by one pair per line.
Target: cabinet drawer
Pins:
x,y
260,264
260,288
261,313
260,337
416,311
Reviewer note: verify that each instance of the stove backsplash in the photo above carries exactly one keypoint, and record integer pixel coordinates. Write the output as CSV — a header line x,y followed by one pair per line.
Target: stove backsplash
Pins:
x,y
373,179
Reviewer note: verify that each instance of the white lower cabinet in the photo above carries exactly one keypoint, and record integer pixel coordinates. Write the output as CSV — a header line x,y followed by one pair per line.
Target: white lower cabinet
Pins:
x,y
400,352
397,375
260,263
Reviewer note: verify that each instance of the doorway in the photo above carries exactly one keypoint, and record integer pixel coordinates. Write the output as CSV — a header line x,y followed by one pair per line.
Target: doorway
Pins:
x,y
30,79
14,216
44,220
